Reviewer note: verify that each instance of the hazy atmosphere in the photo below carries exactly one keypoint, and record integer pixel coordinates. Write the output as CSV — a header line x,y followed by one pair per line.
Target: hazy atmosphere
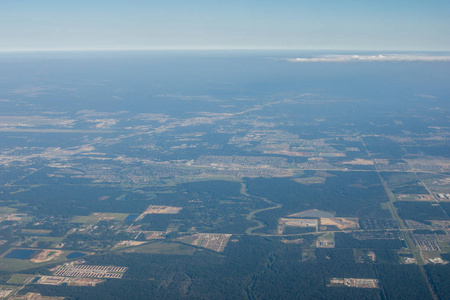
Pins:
x,y
415,25
254,150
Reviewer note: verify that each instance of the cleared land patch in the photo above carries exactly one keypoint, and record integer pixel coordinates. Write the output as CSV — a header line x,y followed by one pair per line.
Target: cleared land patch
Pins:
x,y
46,255
7,291
359,162
415,197
11,217
128,243
70,281
311,180
89,271
303,223
213,241
341,223
313,213
354,282
326,241
159,209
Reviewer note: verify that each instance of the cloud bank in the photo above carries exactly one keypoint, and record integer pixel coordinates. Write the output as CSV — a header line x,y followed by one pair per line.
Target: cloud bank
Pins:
x,y
370,58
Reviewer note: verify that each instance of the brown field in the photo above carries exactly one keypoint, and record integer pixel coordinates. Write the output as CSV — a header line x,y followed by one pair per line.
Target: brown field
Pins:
x,y
11,217
360,162
159,209
313,213
311,180
129,243
415,197
46,255
341,223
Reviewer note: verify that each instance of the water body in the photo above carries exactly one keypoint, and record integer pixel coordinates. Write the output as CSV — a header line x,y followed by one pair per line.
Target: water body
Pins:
x,y
21,254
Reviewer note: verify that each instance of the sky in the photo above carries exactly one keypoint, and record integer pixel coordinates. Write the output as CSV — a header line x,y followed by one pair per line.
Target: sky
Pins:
x,y
413,25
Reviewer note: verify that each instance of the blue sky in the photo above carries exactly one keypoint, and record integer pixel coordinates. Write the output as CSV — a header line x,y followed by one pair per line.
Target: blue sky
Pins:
x,y
247,24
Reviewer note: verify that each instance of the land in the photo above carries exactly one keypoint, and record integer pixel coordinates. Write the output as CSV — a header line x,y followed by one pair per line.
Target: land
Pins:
x,y
87,271
244,193
354,282
215,242
57,280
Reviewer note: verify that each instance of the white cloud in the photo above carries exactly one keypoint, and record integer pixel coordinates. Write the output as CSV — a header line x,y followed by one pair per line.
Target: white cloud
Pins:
x,y
364,58
426,96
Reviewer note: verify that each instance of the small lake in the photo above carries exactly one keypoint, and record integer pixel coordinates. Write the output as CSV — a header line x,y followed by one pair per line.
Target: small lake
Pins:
x,y
21,254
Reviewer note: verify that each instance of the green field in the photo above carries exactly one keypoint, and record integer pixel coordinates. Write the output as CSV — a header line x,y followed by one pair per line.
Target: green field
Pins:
x,y
97,217
15,265
4,209
20,279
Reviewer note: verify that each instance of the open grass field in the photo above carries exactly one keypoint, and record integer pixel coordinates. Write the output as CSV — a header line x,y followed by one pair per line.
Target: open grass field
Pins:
x,y
4,209
20,279
97,217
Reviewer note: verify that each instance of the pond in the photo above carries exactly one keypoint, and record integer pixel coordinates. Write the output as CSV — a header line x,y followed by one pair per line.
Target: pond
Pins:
x,y
21,254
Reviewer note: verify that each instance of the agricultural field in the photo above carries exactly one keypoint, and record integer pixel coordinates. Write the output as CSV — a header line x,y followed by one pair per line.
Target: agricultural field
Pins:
x,y
94,218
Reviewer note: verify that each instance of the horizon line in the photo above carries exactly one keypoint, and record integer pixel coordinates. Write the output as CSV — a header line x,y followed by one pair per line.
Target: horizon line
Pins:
x,y
208,49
